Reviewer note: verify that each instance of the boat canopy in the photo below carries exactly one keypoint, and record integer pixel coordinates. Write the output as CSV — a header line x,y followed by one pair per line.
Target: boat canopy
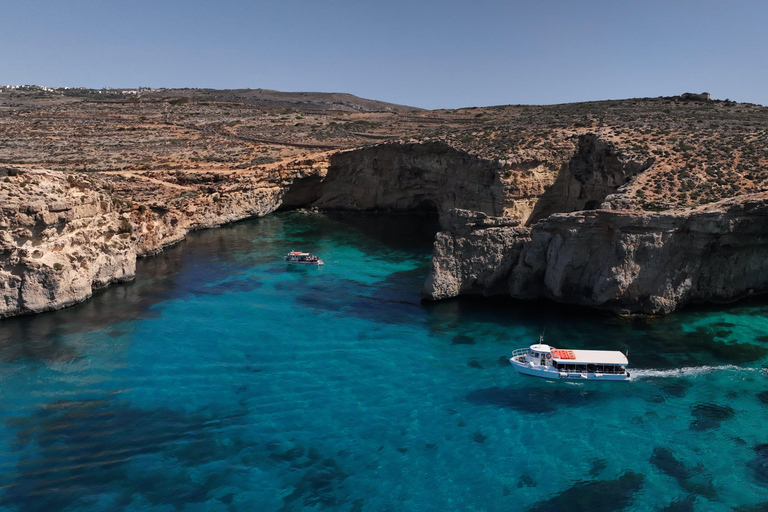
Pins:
x,y
589,357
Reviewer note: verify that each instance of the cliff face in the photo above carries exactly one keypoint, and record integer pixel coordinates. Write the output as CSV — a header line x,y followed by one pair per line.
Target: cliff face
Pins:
x,y
61,245
615,260
409,177
64,236
549,223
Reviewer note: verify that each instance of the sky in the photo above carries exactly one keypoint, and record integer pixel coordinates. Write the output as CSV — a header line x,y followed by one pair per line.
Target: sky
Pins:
x,y
429,54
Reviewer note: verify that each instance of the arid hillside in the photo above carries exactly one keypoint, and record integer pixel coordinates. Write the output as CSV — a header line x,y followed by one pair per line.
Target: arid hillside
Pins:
x,y
692,151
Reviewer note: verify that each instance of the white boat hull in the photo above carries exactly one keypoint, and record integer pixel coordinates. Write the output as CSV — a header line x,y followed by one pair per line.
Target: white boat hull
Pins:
x,y
548,372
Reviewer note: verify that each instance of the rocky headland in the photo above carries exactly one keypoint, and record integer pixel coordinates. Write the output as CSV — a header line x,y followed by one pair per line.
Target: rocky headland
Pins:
x,y
632,206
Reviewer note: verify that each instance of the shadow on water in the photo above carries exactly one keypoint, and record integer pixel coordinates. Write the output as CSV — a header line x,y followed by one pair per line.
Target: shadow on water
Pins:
x,y
410,233
534,400
595,496
208,262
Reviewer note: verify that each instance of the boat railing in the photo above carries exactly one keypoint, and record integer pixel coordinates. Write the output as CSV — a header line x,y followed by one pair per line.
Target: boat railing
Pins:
x,y
583,369
519,352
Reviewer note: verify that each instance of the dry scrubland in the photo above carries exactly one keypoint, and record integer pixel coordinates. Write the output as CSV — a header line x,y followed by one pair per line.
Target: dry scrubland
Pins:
x,y
701,151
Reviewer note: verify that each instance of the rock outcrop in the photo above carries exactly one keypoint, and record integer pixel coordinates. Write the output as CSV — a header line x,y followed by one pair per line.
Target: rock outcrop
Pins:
x,y
411,177
64,236
619,261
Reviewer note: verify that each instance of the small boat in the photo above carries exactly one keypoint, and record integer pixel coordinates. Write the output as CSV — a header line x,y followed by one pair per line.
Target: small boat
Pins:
x,y
541,360
302,258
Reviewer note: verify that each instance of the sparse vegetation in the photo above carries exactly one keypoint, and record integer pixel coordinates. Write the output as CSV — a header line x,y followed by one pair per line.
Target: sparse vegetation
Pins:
x,y
701,151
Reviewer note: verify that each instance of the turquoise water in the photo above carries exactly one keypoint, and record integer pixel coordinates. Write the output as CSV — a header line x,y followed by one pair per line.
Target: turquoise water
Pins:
x,y
223,379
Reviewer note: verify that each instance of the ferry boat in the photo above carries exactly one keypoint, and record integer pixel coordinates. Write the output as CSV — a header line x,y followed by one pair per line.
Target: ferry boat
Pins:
x,y
541,360
302,258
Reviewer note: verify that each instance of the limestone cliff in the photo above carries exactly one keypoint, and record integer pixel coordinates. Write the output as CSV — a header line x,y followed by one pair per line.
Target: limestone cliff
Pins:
x,y
409,177
620,261
556,222
63,235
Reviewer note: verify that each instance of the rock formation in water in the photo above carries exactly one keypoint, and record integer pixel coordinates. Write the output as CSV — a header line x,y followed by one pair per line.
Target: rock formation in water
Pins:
x,y
620,261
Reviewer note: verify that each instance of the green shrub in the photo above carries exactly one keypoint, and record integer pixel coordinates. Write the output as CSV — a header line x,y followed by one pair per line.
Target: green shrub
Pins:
x,y
125,227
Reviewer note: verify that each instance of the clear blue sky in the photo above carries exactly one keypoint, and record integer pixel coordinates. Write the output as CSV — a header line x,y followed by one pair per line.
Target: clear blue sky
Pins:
x,y
433,54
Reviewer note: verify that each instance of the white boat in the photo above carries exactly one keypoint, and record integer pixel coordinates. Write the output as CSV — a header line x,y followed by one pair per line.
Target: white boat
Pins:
x,y
541,360
302,258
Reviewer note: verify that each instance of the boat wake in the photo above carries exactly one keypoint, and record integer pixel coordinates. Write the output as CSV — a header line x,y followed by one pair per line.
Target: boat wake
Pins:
x,y
691,371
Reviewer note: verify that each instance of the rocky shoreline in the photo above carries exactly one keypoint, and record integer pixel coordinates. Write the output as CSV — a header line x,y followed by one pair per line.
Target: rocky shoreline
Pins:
x,y
618,261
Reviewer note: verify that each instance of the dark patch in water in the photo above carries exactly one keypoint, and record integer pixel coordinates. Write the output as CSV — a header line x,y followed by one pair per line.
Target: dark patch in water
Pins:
x,y
525,480
598,465
665,461
319,485
474,363
759,465
479,437
74,450
503,361
227,498
708,416
684,505
229,286
462,339
762,339
533,400
392,300
763,397
676,388
595,496
289,455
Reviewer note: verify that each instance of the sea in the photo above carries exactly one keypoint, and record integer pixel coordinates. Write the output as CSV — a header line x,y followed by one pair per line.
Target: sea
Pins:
x,y
224,379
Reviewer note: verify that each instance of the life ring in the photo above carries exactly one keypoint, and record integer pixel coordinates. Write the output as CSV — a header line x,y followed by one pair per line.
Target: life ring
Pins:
x,y
549,356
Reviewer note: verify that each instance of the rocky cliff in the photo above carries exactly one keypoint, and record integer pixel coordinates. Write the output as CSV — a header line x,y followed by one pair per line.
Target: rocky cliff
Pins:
x,y
619,261
62,236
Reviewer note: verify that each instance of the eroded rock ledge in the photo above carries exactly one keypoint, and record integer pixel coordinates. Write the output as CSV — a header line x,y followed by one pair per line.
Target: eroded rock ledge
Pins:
x,y
621,261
